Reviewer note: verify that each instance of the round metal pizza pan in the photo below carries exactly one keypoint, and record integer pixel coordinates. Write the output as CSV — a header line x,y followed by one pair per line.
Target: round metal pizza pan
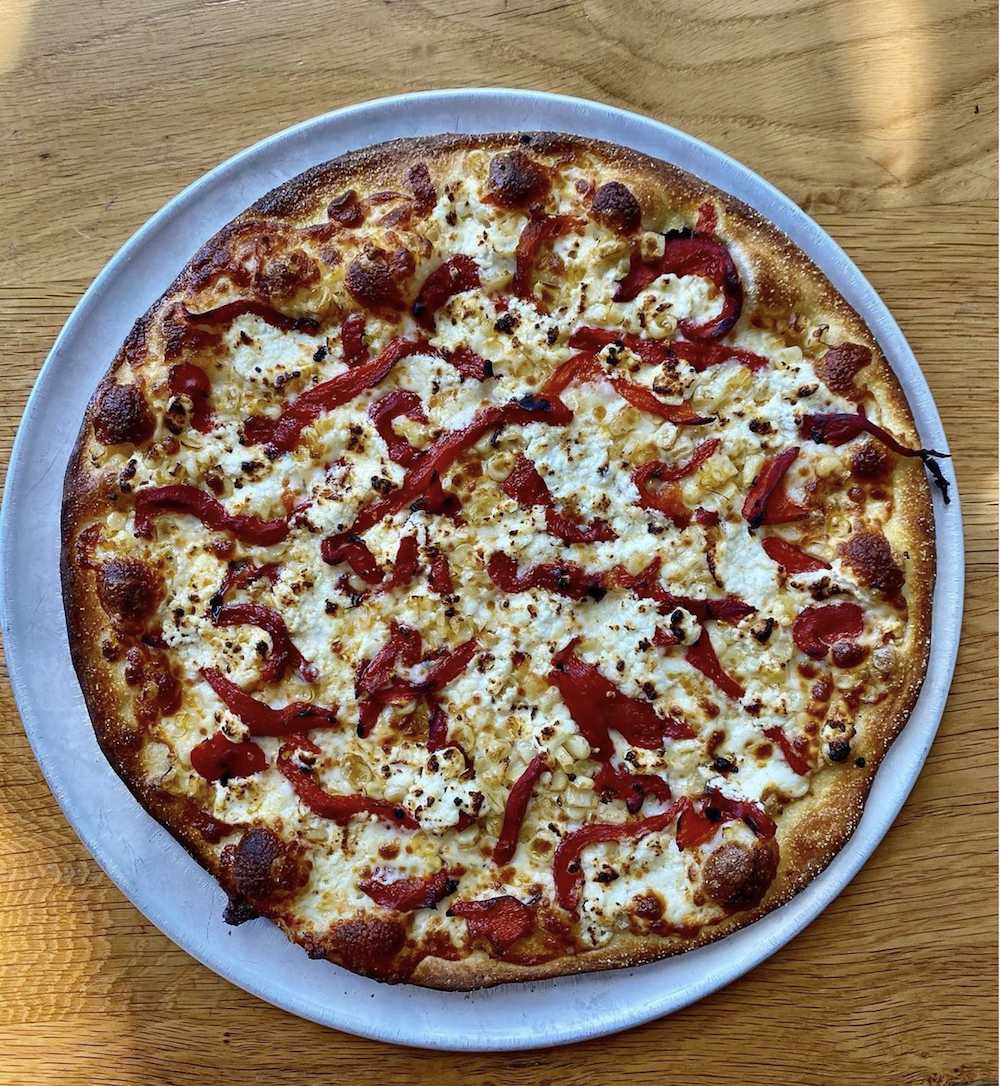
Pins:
x,y
155,873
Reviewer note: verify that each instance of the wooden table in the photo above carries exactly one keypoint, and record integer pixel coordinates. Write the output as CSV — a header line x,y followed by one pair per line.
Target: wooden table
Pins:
x,y
880,119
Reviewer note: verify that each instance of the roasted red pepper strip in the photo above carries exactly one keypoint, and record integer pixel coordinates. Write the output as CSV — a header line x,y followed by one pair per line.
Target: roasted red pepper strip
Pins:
x,y
527,487
691,254
435,500
339,809
241,575
766,502
470,364
702,656
651,351
219,757
383,411
668,499
796,762
404,569
817,628
262,719
182,498
596,705
284,433
192,381
694,827
586,367
789,556
404,644
354,551
405,895
614,782
454,276
437,728
836,429
447,449
284,654
514,811
226,314
701,356
499,920
440,578
352,340
567,872
566,578
761,824
646,584
537,231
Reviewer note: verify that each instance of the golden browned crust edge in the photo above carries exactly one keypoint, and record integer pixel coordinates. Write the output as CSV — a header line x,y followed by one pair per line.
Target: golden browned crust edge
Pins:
x,y
820,825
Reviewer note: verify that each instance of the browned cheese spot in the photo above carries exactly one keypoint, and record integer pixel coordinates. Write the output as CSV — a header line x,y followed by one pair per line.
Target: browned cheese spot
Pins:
x,y
840,365
871,461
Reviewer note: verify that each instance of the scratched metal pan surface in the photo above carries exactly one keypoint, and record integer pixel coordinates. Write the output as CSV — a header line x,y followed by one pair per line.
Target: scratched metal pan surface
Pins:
x,y
155,872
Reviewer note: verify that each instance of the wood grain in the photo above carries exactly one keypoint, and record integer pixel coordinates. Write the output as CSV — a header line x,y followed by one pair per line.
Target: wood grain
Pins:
x,y
880,119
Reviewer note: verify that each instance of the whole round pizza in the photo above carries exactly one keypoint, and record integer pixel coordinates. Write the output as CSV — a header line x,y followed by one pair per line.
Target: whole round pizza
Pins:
x,y
498,557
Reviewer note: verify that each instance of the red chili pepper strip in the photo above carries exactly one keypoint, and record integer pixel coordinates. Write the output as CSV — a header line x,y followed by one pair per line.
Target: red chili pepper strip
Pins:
x,y
408,894
226,314
499,920
702,656
567,578
701,356
183,498
343,388
567,872
791,557
192,381
691,254
796,762
765,503
596,705
383,411
284,654
761,824
340,809
817,628
651,351
352,550
262,719
448,448
537,231
514,811
352,340
836,429
454,276
219,757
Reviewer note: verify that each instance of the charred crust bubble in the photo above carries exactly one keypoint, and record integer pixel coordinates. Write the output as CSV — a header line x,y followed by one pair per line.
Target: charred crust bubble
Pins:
x,y
839,750
517,181
418,177
840,365
122,416
616,207
376,278
129,591
869,555
737,876
369,946
345,210
260,867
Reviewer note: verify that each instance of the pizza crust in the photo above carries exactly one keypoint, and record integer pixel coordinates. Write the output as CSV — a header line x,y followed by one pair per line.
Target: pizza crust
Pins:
x,y
782,281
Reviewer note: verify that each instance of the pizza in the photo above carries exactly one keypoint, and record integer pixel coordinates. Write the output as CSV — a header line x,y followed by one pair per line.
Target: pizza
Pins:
x,y
500,557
